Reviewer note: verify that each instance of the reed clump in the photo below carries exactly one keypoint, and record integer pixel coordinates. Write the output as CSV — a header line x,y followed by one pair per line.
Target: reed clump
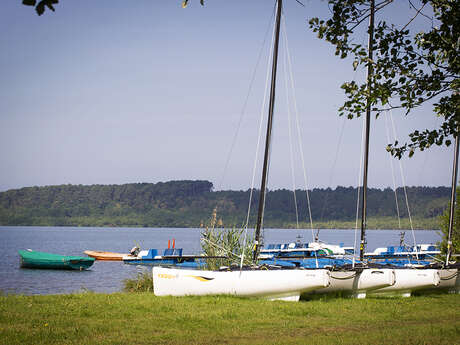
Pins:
x,y
142,283
229,243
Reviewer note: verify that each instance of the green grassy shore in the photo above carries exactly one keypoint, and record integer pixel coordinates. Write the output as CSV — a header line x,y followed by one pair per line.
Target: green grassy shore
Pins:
x,y
142,318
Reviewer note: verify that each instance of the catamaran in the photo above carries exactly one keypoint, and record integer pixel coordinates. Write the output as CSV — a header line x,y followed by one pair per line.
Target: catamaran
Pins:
x,y
406,279
259,281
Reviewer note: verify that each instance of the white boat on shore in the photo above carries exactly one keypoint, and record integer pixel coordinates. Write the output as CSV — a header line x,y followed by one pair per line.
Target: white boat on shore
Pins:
x,y
359,282
284,284
449,280
408,280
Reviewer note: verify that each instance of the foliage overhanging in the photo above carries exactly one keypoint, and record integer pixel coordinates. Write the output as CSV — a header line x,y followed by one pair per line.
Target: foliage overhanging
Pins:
x,y
410,68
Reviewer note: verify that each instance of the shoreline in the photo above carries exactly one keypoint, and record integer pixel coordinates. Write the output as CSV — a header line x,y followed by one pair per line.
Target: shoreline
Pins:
x,y
202,228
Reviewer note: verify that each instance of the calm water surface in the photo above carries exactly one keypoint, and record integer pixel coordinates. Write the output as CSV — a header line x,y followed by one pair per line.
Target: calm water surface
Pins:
x,y
108,276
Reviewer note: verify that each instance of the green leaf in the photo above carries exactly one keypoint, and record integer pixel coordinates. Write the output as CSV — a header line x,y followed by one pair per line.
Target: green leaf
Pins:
x,y
411,152
40,9
28,2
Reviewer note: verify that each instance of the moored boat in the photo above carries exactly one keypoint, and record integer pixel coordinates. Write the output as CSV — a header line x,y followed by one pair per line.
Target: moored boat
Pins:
x,y
33,259
106,256
304,249
170,257
421,251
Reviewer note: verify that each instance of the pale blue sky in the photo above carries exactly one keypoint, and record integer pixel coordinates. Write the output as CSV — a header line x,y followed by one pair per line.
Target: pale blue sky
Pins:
x,y
113,91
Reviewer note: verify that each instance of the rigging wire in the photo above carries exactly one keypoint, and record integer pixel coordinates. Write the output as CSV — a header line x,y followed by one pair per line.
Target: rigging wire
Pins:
x,y
291,155
337,150
299,135
360,176
259,234
425,156
242,114
404,188
392,169
360,173
258,145
334,163
243,109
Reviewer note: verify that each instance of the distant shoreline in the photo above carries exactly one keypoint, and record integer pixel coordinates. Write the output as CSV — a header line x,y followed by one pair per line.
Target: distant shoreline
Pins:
x,y
200,228
190,204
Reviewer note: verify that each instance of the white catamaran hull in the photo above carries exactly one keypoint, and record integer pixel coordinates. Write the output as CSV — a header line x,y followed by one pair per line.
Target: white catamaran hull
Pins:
x,y
358,283
449,280
408,280
272,284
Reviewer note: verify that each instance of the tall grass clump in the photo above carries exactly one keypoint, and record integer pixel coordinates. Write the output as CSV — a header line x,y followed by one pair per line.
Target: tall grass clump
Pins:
x,y
231,244
142,283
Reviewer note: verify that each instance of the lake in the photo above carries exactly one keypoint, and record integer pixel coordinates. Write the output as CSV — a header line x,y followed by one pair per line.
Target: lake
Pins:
x,y
108,276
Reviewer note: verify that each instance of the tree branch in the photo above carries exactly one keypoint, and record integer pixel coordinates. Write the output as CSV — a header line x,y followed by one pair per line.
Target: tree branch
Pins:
x,y
416,14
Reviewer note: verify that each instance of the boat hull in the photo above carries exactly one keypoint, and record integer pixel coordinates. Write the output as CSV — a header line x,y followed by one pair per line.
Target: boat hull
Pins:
x,y
33,259
105,256
273,284
358,283
179,261
409,280
449,280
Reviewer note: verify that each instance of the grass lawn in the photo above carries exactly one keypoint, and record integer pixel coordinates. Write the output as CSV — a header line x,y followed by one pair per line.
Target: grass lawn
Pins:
x,y
142,318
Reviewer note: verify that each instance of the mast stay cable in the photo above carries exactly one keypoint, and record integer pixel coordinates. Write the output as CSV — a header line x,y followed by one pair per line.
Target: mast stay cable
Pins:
x,y
288,108
259,136
392,171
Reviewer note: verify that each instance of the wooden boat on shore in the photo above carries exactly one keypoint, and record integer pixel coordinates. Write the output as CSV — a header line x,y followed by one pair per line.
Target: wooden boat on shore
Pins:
x,y
106,256
33,259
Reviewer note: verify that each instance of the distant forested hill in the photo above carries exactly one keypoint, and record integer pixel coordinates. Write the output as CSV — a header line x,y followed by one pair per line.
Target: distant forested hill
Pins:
x,y
190,204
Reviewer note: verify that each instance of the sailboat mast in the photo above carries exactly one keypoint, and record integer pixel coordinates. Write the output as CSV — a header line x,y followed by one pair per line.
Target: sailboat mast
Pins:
x,y
452,199
370,71
268,135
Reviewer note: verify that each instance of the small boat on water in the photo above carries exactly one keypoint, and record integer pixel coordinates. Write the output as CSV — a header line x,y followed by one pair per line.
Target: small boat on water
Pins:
x,y
299,248
106,256
170,257
33,259
421,251
111,256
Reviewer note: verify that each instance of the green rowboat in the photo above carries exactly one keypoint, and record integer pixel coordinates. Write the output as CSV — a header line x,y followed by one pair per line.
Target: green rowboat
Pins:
x,y
33,259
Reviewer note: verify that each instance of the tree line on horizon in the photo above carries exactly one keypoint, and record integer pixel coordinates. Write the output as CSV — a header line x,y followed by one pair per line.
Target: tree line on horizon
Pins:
x,y
191,203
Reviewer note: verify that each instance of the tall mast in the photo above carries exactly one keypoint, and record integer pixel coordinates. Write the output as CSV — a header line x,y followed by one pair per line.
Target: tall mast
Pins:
x,y
268,135
452,198
370,71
